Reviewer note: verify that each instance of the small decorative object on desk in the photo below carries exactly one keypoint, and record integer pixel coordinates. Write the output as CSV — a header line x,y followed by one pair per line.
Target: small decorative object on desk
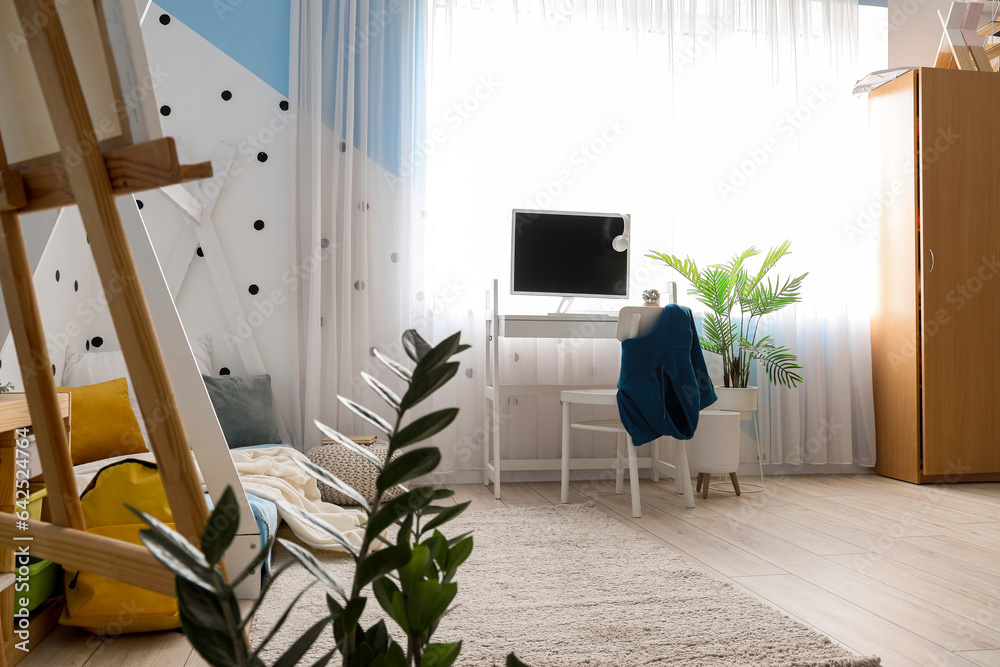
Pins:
x,y
651,297
4,388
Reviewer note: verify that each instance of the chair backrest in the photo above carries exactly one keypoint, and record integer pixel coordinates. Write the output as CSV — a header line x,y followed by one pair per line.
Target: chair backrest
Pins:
x,y
637,321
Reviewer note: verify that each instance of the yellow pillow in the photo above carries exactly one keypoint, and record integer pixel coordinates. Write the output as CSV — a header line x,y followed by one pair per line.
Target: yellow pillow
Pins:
x,y
102,422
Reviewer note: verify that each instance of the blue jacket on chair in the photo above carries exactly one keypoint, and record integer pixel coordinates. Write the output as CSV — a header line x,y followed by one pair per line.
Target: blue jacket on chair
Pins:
x,y
664,382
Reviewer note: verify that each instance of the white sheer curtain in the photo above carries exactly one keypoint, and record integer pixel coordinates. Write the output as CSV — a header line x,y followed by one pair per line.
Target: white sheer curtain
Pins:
x,y
717,125
355,75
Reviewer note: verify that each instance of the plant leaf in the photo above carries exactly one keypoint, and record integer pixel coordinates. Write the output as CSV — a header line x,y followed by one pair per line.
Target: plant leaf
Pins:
x,y
384,392
325,659
414,570
445,515
174,551
416,347
408,466
312,564
772,257
216,648
378,563
455,540
220,529
441,655
336,609
397,508
425,384
399,369
332,481
377,637
370,416
206,607
384,591
422,428
352,612
438,546
427,602
438,355
346,442
302,644
457,554
393,657
780,365
513,661
363,653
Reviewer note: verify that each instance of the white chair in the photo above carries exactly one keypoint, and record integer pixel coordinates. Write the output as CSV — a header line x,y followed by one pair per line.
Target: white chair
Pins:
x,y
715,448
632,321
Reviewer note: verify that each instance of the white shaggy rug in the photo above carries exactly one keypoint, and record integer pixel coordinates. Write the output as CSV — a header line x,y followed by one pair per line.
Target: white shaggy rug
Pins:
x,y
569,585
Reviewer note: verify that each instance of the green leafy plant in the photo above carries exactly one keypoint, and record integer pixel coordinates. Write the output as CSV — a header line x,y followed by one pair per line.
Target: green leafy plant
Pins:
x,y
651,296
4,388
736,299
412,574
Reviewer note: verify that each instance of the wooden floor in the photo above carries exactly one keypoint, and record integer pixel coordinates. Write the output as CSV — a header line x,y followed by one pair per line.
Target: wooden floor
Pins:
x,y
910,573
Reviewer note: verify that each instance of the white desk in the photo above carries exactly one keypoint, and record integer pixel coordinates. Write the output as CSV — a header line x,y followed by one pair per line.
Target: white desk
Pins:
x,y
563,325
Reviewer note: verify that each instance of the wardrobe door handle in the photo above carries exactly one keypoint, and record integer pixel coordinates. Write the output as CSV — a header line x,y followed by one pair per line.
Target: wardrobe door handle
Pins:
x,y
932,260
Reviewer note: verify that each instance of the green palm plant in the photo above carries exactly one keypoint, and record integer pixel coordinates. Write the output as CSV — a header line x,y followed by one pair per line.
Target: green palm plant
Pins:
x,y
736,298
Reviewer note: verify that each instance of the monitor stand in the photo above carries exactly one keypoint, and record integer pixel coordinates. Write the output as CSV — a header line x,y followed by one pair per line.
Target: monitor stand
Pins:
x,y
567,302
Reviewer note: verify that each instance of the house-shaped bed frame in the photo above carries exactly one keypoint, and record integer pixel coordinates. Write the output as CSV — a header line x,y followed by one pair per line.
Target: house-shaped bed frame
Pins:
x,y
70,132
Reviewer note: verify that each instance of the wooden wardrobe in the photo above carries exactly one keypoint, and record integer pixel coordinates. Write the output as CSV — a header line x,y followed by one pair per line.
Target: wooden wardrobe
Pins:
x,y
936,332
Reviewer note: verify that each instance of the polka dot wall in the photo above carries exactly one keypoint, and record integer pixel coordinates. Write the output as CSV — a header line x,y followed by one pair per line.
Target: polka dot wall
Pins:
x,y
209,98
204,98
65,282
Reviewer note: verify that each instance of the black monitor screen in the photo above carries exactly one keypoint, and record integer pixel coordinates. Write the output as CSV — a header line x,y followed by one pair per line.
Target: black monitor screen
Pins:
x,y
568,254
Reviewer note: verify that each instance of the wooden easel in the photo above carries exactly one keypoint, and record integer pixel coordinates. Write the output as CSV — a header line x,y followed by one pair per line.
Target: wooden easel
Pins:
x,y
95,162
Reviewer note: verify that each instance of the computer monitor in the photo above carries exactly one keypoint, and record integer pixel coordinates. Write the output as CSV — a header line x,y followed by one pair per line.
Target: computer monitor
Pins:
x,y
562,253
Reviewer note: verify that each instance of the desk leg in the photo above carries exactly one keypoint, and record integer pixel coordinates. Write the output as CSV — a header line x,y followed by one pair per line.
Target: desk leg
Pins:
x,y
564,479
8,469
496,444
486,441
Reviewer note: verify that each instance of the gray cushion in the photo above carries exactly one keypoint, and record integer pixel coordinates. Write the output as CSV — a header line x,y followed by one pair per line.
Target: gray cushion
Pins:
x,y
243,406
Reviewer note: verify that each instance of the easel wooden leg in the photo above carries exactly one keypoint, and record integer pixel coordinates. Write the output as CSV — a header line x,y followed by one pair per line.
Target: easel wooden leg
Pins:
x,y
94,195
39,385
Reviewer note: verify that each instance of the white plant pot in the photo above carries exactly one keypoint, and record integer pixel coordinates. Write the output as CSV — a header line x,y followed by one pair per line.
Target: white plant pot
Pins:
x,y
715,447
736,399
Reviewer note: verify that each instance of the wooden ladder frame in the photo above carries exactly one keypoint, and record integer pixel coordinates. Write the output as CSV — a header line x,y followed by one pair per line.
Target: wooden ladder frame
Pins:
x,y
94,177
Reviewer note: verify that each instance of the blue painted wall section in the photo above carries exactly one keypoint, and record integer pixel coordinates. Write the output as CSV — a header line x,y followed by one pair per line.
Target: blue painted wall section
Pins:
x,y
254,33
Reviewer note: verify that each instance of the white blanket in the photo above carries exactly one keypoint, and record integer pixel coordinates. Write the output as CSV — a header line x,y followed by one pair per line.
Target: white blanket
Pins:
x,y
271,472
